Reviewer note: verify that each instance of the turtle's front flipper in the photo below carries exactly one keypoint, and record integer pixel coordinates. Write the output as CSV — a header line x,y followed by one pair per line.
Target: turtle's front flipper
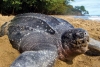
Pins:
x,y
3,29
41,58
94,48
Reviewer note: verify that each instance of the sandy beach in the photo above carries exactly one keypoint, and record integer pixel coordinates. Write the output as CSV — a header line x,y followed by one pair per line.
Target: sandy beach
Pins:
x,y
8,54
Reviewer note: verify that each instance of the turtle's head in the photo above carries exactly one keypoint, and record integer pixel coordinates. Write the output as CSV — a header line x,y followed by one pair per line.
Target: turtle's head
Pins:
x,y
3,29
74,42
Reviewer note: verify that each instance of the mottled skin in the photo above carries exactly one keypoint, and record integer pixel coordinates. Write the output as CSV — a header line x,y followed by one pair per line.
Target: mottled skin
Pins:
x,y
41,39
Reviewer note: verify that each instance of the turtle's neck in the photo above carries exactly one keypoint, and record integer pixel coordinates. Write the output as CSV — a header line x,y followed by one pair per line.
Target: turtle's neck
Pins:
x,y
67,54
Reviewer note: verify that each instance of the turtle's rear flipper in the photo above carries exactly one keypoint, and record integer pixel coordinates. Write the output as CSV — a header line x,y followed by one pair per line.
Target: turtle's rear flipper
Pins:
x,y
3,29
41,58
94,48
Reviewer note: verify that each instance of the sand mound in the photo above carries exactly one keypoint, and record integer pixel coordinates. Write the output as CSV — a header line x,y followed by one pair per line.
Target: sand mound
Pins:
x,y
8,54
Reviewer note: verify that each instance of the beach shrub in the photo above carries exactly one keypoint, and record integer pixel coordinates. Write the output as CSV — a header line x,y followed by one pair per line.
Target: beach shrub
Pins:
x,y
38,6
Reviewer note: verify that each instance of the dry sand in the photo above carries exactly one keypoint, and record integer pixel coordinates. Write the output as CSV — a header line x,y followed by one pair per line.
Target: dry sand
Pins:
x,y
8,54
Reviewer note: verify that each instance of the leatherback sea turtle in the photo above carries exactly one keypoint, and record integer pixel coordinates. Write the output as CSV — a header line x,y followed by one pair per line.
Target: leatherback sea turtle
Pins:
x,y
41,39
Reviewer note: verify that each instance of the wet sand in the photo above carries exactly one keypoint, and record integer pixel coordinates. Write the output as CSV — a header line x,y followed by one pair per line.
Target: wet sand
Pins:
x,y
8,54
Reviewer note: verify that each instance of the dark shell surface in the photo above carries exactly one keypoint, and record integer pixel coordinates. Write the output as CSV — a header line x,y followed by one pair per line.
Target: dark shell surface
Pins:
x,y
51,23
38,27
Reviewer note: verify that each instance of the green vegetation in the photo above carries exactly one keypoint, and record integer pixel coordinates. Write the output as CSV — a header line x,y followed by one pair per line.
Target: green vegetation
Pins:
x,y
40,6
82,9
